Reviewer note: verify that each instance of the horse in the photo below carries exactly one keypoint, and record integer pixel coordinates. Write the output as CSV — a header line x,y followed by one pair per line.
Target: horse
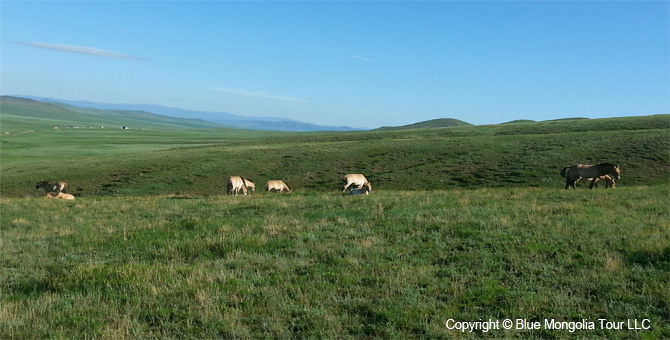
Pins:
x,y
237,184
48,187
364,190
278,185
576,172
61,195
357,180
609,181
249,184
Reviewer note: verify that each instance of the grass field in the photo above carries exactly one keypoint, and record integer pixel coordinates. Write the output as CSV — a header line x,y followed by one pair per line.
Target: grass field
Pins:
x,y
464,223
197,162
395,264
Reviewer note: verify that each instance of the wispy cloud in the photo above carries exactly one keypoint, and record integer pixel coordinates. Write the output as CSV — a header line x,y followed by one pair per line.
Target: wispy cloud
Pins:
x,y
258,94
82,50
357,57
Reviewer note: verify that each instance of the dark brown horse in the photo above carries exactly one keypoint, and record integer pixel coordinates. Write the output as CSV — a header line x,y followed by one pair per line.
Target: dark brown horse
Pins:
x,y
576,172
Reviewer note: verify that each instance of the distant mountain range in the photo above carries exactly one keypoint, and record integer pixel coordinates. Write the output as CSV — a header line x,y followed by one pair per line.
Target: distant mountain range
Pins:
x,y
19,111
224,118
191,118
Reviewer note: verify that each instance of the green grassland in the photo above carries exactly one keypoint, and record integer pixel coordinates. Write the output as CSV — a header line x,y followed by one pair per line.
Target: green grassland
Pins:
x,y
197,161
467,223
433,123
395,264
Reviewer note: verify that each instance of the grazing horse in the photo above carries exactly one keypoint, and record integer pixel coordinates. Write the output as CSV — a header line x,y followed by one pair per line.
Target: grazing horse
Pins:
x,y
48,187
609,181
576,172
237,184
357,180
61,195
365,190
249,184
277,185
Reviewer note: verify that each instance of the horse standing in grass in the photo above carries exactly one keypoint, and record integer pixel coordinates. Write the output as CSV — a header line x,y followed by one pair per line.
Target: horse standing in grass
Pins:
x,y
50,187
609,181
237,184
278,185
356,180
574,173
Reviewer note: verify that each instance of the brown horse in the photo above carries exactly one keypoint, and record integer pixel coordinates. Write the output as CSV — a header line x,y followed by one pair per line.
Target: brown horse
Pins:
x,y
609,181
576,172
49,187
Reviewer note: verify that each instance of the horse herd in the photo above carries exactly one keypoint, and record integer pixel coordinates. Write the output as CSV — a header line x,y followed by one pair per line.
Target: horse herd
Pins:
x,y
359,185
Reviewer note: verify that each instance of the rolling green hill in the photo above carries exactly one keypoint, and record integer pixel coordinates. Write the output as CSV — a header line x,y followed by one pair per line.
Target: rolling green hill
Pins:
x,y
197,162
433,123
465,223
22,113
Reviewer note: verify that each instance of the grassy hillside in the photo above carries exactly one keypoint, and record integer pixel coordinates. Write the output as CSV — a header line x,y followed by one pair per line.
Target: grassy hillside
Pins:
x,y
392,265
22,113
33,132
465,223
433,123
197,162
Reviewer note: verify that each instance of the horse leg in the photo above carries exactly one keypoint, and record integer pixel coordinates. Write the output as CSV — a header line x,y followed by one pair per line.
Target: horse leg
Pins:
x,y
593,182
612,184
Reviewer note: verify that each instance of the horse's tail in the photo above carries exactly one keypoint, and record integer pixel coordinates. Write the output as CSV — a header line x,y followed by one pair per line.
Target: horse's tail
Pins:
x,y
565,171
229,186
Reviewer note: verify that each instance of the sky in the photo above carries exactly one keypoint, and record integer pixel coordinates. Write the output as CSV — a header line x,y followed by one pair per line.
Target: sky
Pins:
x,y
346,63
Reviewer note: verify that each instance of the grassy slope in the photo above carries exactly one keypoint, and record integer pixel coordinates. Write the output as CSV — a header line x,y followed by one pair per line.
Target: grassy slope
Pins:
x,y
171,257
45,115
433,123
395,264
35,132
197,162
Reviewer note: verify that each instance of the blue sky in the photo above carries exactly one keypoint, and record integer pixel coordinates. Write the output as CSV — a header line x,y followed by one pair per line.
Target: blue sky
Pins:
x,y
360,64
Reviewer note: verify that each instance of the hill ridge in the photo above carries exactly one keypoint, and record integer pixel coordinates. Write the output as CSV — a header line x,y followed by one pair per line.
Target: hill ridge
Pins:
x,y
222,118
427,124
67,114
